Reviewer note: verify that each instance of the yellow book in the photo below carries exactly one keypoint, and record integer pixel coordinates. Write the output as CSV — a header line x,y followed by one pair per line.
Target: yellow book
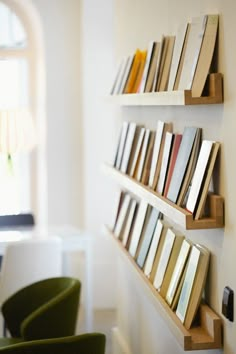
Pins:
x,y
133,72
138,80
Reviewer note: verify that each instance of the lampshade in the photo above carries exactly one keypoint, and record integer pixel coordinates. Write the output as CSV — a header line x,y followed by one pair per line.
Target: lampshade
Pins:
x,y
17,132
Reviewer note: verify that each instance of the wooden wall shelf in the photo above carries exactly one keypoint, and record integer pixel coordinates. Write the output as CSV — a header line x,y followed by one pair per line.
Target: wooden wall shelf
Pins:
x,y
178,215
214,95
207,335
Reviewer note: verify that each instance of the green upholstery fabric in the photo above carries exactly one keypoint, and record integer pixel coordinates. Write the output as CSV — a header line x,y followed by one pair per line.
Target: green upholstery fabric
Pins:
x,y
45,309
90,343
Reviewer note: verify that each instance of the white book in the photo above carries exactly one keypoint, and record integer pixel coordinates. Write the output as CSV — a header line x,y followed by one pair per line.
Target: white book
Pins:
x,y
143,154
122,215
138,226
193,48
178,271
126,74
121,145
164,258
118,77
128,147
188,283
156,150
129,221
153,248
165,162
198,175
179,42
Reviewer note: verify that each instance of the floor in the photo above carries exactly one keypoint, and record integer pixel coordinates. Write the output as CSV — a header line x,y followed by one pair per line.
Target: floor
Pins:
x,y
103,321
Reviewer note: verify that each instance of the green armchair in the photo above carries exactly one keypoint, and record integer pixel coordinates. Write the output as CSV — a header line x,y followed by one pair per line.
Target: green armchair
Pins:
x,y
90,343
45,309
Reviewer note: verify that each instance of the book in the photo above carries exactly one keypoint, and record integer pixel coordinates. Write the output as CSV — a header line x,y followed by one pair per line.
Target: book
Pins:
x,y
133,72
126,73
162,62
164,258
171,263
130,221
199,174
128,147
158,63
198,285
194,43
178,271
118,198
162,128
119,72
181,62
186,184
148,159
138,227
150,51
121,145
165,228
178,48
136,151
174,152
165,161
142,156
207,179
153,248
188,281
140,71
205,56
153,66
122,215
167,64
181,162
147,238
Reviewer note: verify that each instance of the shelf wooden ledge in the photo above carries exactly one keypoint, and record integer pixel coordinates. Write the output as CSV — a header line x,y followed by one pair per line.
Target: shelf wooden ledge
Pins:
x,y
213,89
206,335
179,215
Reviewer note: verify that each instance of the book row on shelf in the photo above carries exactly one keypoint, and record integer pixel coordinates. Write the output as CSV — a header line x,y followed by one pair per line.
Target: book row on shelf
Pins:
x,y
178,166
175,266
178,62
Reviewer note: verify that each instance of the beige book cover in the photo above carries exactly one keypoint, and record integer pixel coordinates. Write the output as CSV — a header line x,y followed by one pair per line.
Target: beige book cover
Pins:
x,y
167,64
122,215
125,75
178,48
177,271
143,154
198,285
121,144
148,159
162,62
181,62
188,283
195,39
152,69
164,258
158,63
171,264
136,151
150,50
129,221
206,55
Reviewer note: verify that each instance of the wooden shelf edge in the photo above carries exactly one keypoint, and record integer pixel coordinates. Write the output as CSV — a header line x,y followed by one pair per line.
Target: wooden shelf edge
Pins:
x,y
179,215
206,336
173,98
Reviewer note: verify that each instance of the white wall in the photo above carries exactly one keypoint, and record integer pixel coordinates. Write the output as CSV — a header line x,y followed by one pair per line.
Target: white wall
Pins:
x,y
137,22
61,22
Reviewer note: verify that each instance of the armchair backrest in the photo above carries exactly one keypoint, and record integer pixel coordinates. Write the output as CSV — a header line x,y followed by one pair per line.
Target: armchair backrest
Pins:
x,y
90,343
45,309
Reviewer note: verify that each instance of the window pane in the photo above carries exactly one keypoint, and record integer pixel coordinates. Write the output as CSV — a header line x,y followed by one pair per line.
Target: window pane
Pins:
x,y
12,34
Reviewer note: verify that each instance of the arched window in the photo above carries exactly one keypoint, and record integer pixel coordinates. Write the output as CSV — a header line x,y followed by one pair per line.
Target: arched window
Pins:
x,y
22,117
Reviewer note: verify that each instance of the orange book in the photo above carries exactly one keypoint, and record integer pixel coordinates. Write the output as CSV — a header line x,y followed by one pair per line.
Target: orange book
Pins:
x,y
133,72
140,72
